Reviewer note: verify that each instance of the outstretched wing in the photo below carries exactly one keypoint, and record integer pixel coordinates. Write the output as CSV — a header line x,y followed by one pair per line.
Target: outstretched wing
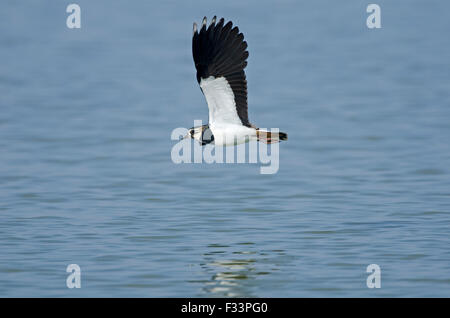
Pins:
x,y
220,56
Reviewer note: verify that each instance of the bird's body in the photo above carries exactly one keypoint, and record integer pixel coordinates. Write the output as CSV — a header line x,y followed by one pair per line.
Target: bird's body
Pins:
x,y
220,56
231,135
224,122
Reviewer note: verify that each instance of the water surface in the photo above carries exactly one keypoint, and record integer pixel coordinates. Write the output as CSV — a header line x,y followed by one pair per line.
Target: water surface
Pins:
x,y
86,175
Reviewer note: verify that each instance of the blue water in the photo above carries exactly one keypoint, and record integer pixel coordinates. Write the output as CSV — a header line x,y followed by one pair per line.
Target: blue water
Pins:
x,y
86,175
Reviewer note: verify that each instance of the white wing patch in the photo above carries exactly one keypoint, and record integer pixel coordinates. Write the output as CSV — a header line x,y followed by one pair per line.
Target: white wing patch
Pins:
x,y
220,99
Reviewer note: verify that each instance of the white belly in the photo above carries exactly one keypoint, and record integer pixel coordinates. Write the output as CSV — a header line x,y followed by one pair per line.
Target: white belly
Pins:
x,y
231,135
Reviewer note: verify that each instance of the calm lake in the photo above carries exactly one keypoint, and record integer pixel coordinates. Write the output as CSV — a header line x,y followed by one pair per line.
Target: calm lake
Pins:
x,y
86,175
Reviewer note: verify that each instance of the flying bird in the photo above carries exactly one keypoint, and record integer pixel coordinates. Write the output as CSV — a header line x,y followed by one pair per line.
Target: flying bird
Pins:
x,y
220,56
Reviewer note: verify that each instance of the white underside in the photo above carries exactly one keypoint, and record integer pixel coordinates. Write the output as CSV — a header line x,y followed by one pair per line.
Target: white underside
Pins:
x,y
231,135
224,121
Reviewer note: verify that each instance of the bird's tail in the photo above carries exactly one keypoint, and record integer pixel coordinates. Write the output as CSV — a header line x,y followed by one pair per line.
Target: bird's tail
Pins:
x,y
268,137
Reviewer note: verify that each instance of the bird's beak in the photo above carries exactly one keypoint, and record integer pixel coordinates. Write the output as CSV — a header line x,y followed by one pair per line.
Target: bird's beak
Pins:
x,y
185,137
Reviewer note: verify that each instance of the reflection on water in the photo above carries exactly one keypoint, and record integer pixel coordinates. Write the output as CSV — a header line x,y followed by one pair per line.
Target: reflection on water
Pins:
x,y
235,269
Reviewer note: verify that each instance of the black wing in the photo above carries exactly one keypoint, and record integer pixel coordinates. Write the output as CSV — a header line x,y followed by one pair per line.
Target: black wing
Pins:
x,y
219,50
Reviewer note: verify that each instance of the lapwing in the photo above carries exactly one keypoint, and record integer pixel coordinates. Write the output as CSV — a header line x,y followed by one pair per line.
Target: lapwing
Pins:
x,y
220,57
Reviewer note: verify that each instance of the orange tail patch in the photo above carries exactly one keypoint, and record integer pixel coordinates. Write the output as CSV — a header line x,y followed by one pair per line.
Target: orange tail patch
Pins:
x,y
268,137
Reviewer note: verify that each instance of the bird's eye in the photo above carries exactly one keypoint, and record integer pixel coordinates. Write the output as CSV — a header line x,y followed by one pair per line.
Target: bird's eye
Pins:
x,y
192,133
